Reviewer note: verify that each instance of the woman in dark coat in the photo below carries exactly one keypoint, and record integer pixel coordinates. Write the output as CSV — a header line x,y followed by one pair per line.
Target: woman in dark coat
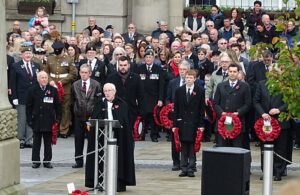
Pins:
x,y
205,66
119,111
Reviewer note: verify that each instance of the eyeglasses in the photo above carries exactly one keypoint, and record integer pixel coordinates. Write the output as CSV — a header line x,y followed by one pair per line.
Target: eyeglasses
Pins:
x,y
209,26
130,27
223,43
118,54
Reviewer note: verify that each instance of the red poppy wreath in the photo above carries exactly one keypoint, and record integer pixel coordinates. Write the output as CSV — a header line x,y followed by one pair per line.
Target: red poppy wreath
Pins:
x,y
267,133
229,131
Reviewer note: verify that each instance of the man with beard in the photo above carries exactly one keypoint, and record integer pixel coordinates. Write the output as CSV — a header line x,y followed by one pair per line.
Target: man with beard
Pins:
x,y
61,68
97,66
153,83
129,88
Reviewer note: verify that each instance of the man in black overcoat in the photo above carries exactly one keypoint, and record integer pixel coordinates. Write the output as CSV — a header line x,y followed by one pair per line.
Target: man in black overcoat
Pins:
x,y
189,106
233,96
42,110
269,106
129,88
114,108
153,83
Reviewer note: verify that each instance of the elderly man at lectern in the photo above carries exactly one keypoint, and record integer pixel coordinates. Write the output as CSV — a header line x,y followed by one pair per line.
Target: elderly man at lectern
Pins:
x,y
114,108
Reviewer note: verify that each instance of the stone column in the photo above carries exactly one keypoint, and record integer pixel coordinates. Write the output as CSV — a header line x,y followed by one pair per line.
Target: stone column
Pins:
x,y
9,145
176,13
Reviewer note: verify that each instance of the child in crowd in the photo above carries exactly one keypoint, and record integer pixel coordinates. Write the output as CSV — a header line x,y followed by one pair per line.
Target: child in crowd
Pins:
x,y
40,18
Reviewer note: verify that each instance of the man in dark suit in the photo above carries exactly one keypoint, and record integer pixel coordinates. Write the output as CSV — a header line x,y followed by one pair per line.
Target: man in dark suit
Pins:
x,y
233,96
189,55
131,36
42,110
269,106
153,83
174,84
22,77
189,105
257,71
85,92
97,66
129,88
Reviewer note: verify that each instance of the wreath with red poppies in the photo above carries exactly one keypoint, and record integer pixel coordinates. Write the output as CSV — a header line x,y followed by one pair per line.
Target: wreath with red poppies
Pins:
x,y
156,119
60,91
176,140
137,135
214,114
229,131
165,118
54,133
267,133
198,139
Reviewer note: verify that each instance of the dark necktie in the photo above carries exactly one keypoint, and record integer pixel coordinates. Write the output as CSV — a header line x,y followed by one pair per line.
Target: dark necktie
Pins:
x,y
149,68
84,87
232,85
28,70
267,68
188,95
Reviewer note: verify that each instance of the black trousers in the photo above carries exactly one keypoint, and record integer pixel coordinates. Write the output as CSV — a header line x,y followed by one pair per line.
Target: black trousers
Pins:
x,y
79,133
175,155
239,141
188,157
149,122
37,141
280,147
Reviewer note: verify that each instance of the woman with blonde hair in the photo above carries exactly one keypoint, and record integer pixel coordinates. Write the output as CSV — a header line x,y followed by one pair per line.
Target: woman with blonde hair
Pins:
x,y
47,46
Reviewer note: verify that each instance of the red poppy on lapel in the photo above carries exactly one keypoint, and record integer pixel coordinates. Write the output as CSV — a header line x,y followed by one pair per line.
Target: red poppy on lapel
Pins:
x,y
237,87
48,92
116,106
194,93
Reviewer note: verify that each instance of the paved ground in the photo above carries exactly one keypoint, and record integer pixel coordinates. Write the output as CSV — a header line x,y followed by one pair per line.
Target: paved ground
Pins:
x,y
153,171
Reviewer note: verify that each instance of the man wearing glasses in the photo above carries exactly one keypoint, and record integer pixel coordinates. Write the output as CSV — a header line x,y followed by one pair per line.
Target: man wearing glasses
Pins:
x,y
218,76
131,36
222,45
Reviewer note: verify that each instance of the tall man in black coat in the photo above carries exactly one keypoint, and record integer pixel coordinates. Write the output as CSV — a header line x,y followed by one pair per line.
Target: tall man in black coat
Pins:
x,y
129,88
85,93
269,106
189,106
233,96
97,66
23,76
153,83
42,110
114,108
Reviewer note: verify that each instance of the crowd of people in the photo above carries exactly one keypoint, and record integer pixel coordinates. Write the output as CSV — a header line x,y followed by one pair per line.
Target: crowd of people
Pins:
x,y
128,74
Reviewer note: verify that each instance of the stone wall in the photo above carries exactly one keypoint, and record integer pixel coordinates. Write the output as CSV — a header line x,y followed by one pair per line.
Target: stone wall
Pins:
x,y
118,13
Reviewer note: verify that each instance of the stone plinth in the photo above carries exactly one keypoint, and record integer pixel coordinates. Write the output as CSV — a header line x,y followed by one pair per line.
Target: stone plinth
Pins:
x,y
8,124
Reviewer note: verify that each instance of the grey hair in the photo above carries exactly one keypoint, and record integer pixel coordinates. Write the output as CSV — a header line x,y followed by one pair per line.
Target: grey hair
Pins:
x,y
86,66
186,64
109,85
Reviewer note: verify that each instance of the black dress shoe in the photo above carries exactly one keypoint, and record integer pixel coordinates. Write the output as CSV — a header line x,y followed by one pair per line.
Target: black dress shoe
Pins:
x,y
28,145
48,165
183,174
35,165
154,139
22,145
191,174
175,168
77,165
277,178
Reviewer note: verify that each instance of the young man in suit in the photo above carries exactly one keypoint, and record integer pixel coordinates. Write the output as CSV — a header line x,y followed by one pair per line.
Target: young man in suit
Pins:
x,y
189,108
232,96
85,93
23,76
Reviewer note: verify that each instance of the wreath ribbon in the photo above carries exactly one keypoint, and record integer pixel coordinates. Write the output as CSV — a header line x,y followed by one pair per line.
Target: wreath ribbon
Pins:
x,y
136,135
198,139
